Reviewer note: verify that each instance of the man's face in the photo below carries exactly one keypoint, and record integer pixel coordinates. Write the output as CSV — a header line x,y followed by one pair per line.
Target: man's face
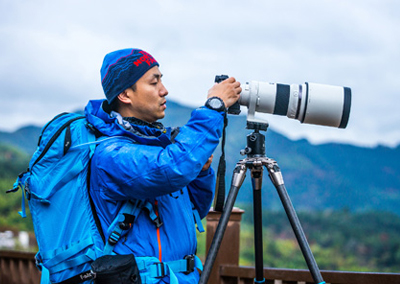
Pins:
x,y
148,100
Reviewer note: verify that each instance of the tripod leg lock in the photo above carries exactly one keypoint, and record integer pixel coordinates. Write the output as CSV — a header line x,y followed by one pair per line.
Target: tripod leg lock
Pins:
x,y
275,174
239,174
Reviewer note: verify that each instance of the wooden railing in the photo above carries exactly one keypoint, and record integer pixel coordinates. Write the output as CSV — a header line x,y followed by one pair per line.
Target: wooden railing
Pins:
x,y
19,267
226,268
245,275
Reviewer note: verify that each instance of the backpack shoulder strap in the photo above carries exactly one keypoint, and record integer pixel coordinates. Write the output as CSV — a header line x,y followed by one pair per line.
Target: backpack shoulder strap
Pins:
x,y
123,222
125,219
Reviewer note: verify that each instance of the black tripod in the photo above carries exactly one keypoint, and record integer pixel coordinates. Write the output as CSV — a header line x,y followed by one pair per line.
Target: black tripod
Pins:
x,y
255,161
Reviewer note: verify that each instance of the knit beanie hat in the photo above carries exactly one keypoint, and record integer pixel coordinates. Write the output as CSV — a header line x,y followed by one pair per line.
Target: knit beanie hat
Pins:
x,y
123,68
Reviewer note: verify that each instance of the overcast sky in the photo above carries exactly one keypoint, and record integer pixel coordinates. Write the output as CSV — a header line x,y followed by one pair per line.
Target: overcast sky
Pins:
x,y
51,53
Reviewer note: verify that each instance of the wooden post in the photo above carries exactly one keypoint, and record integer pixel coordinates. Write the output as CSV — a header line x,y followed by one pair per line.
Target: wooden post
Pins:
x,y
229,249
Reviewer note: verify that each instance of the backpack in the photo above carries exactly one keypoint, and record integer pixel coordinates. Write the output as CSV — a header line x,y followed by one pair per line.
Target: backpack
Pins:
x,y
66,225
56,186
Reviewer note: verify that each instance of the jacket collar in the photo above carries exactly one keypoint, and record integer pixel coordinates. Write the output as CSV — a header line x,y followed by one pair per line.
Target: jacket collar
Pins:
x,y
139,127
116,125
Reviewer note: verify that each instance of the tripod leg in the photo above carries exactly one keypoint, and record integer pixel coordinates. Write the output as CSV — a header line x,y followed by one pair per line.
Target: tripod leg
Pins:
x,y
237,179
277,179
256,180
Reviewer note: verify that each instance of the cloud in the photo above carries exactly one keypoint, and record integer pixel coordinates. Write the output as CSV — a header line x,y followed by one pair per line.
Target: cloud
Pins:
x,y
51,53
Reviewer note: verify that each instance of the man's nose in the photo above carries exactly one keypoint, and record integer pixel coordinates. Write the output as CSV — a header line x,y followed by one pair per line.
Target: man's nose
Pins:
x,y
163,91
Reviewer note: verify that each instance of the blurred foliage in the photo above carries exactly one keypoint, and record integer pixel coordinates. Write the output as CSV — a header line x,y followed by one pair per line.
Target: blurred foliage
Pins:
x,y
339,240
12,161
201,241
10,205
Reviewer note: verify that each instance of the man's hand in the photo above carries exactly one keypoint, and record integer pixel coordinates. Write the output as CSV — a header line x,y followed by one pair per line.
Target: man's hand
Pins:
x,y
228,90
208,164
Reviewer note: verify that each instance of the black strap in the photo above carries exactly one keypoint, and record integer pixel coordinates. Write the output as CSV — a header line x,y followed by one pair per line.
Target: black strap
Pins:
x,y
67,139
82,277
219,198
44,128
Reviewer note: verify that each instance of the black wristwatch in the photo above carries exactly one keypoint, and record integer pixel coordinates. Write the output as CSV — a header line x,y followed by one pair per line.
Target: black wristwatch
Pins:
x,y
215,103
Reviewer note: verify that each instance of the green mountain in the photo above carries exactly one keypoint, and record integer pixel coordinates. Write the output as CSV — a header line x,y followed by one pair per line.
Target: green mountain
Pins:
x,y
12,161
24,138
317,177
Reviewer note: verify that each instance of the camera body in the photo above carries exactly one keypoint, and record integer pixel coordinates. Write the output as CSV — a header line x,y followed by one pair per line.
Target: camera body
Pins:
x,y
309,103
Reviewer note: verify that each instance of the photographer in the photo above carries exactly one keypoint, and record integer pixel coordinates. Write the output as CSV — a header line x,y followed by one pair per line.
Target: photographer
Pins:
x,y
164,167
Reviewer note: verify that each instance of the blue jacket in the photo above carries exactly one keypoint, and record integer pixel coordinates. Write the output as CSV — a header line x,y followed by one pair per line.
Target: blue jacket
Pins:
x,y
144,164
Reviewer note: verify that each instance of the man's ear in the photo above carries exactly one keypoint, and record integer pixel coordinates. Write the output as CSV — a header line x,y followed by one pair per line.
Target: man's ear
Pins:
x,y
124,97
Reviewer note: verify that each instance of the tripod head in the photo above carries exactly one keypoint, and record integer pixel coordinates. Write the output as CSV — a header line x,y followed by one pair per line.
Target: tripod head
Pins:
x,y
255,140
257,125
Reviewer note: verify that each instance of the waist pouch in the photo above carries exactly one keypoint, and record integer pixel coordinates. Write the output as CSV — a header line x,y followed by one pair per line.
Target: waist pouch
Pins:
x,y
116,269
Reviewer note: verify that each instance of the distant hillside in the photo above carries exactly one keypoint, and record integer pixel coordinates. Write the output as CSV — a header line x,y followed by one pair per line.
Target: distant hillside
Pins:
x,y
328,176
24,138
12,161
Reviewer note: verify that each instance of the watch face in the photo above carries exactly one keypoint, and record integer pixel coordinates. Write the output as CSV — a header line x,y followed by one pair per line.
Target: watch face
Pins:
x,y
215,103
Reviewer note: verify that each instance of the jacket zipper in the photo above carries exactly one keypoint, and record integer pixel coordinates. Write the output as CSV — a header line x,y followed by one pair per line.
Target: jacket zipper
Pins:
x,y
158,233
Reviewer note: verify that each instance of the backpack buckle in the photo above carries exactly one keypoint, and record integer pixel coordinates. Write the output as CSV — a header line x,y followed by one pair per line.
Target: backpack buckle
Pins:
x,y
160,269
14,189
17,184
38,261
158,222
27,191
147,206
128,221
113,239
90,126
190,265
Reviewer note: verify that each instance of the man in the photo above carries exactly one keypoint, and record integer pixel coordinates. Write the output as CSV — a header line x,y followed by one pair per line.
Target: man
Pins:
x,y
163,167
